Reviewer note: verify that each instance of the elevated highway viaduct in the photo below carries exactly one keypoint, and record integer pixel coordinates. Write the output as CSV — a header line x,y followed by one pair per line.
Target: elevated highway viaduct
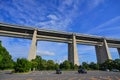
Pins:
x,y
101,44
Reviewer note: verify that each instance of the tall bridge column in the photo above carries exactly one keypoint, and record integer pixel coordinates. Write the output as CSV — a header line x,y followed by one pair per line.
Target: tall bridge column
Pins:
x,y
72,51
102,52
32,53
118,51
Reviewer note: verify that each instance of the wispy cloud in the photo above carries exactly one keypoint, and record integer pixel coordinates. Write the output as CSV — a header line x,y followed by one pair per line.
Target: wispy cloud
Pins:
x,y
45,53
62,18
35,13
86,49
61,59
94,3
110,25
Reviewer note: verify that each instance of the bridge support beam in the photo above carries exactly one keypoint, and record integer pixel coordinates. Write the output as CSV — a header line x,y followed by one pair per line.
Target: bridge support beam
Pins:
x,y
72,51
32,53
118,51
102,52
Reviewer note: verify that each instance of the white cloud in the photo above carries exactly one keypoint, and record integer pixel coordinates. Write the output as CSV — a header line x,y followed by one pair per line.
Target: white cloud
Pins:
x,y
53,17
60,44
62,17
106,26
34,14
45,53
94,3
86,49
62,59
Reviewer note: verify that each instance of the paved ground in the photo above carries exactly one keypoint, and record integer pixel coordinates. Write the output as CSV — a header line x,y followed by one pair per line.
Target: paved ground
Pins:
x,y
66,75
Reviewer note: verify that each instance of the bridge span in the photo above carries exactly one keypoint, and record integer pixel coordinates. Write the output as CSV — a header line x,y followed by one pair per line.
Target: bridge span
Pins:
x,y
101,44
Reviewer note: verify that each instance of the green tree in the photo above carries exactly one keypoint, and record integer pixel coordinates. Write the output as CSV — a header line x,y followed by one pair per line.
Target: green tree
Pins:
x,y
34,64
22,65
76,67
93,66
61,65
1,58
85,65
56,66
108,64
72,66
116,64
38,61
6,61
65,65
43,65
50,65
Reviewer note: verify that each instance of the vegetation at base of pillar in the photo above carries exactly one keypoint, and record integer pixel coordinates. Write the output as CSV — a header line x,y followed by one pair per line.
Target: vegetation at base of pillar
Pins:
x,y
94,66
6,61
22,65
41,64
85,65
67,65
108,64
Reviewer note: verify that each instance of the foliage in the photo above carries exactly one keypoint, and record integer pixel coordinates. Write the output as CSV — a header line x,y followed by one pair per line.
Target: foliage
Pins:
x,y
1,57
85,65
43,64
65,65
72,67
116,64
57,66
6,61
50,65
93,66
22,65
34,64
111,64
76,67
108,64
38,60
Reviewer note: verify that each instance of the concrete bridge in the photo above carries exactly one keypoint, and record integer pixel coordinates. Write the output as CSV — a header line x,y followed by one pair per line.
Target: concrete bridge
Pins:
x,y
101,44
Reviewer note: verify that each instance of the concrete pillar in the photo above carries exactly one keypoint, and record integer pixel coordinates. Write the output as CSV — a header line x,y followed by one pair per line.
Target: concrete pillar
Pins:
x,y
118,51
32,53
102,52
72,51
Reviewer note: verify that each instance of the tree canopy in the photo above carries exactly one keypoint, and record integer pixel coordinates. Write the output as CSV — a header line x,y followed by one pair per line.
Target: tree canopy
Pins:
x,y
22,65
6,61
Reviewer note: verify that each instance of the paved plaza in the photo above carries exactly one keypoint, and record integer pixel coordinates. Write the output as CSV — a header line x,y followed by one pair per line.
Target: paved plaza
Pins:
x,y
66,75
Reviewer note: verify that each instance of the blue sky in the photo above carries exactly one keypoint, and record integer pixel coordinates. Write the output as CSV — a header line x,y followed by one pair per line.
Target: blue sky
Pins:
x,y
95,17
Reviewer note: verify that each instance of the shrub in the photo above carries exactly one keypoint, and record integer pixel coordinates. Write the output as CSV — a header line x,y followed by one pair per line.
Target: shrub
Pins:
x,y
22,65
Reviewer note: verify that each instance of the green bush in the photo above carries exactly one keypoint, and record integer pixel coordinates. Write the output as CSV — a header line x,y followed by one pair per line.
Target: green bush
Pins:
x,y
22,65
50,65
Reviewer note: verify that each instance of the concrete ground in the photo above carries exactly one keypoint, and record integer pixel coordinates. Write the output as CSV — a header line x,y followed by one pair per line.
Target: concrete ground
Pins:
x,y
66,75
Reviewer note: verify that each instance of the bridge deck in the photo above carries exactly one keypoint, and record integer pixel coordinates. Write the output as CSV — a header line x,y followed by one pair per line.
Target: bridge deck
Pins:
x,y
17,31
